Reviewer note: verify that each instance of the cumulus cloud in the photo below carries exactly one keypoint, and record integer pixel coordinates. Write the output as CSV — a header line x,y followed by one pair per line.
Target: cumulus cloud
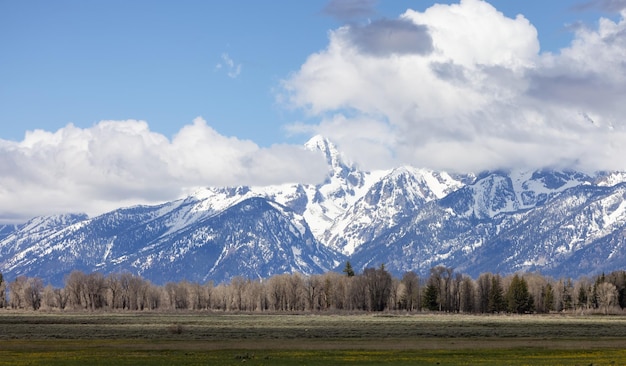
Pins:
x,y
349,9
116,163
483,97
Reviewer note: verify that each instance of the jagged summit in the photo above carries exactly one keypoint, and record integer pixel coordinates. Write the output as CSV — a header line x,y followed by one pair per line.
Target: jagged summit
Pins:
x,y
339,167
321,143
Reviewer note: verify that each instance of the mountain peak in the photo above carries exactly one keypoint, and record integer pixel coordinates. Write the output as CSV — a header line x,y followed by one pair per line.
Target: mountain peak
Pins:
x,y
335,160
316,142
330,150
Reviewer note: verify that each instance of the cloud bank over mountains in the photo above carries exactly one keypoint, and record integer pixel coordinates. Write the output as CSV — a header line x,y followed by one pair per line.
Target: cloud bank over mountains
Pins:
x,y
118,163
458,87
462,87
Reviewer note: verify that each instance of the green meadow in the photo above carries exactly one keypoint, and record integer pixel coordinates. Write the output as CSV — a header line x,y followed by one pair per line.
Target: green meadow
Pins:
x,y
309,339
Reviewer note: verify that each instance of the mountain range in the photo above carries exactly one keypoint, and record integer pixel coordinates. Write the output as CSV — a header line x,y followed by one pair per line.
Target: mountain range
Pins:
x,y
559,223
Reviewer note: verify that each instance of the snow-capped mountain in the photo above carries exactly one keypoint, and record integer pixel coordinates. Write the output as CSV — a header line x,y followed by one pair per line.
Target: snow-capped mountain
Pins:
x,y
556,222
184,239
397,196
506,222
579,231
254,238
344,185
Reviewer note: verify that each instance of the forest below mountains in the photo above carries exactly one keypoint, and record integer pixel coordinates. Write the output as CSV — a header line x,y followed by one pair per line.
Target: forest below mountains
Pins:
x,y
375,289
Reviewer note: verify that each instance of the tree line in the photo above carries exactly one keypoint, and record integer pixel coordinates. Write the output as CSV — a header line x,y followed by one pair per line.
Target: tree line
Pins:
x,y
375,289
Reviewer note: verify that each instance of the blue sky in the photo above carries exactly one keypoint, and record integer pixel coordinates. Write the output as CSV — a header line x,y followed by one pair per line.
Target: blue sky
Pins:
x,y
109,103
87,61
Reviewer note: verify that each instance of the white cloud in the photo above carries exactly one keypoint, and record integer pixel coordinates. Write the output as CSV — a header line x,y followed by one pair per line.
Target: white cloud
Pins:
x,y
233,70
482,98
116,163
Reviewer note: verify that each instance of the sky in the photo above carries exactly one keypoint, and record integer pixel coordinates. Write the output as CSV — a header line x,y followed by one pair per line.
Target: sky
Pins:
x,y
112,103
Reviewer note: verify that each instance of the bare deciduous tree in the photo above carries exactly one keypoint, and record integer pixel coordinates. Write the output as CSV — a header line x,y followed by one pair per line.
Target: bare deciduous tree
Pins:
x,y
411,295
33,290
75,287
178,295
378,282
16,293
359,294
607,296
49,298
313,285
114,284
467,295
95,290
61,296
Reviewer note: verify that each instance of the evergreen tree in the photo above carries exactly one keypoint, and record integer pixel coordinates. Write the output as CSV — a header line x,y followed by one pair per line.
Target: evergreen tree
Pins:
x,y
568,287
582,297
348,269
518,298
483,289
594,292
530,305
430,297
621,288
496,297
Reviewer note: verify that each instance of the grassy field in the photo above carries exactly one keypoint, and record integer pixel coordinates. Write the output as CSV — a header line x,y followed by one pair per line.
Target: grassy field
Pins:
x,y
261,339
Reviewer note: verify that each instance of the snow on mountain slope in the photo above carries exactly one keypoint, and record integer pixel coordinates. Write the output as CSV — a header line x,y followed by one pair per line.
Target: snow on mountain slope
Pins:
x,y
578,232
203,203
47,250
535,187
319,204
608,179
499,192
6,230
38,230
344,185
480,227
434,235
396,196
254,238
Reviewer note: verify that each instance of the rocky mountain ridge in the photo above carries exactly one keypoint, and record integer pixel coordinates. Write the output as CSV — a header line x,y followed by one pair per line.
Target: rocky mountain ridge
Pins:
x,y
562,223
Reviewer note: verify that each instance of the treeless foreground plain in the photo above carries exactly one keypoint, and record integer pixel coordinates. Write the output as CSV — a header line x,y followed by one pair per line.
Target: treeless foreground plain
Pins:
x,y
309,339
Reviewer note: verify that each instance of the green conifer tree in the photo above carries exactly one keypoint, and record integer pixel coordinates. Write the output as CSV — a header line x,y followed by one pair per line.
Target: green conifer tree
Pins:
x,y
496,296
518,298
430,297
348,269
